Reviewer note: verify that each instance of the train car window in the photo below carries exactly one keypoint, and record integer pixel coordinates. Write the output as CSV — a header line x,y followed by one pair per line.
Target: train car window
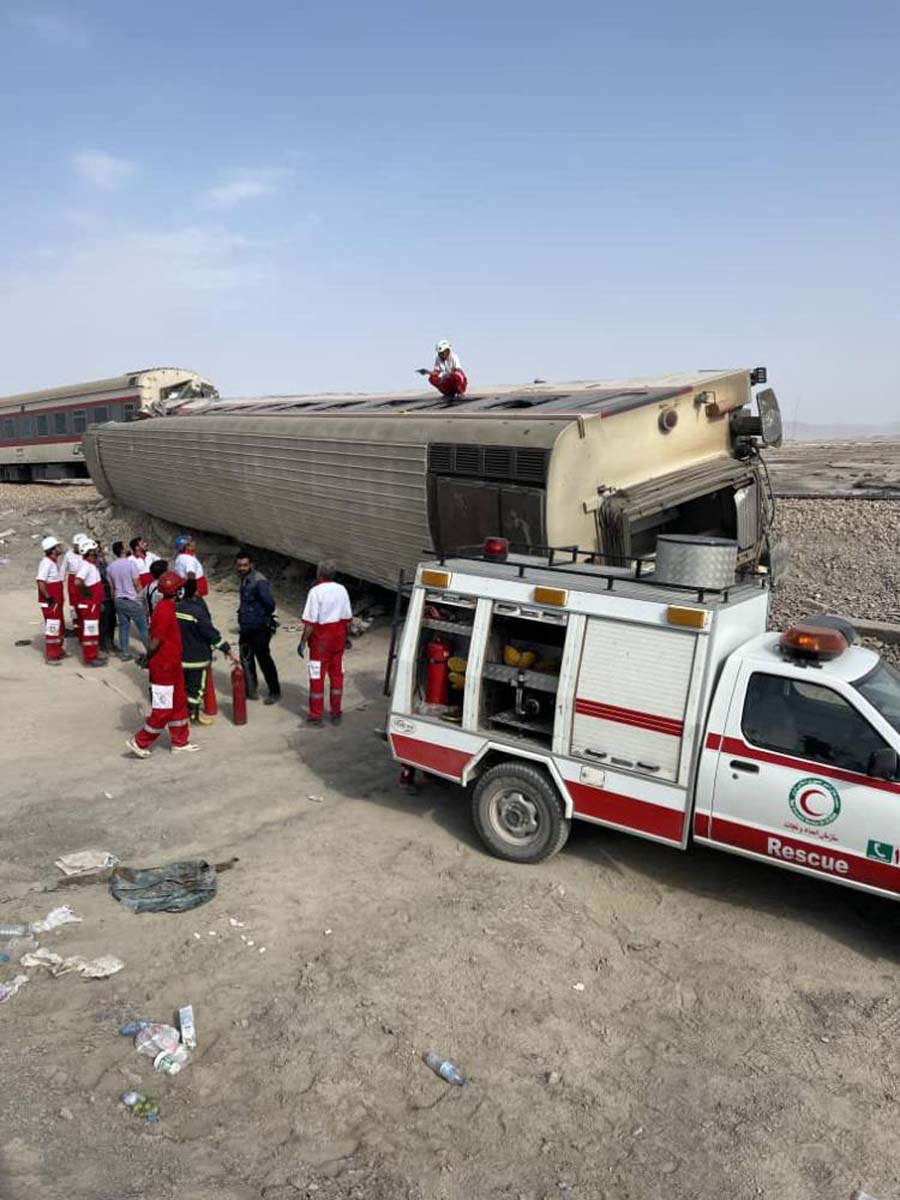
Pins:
x,y
43,426
9,428
60,423
100,415
128,414
78,421
26,425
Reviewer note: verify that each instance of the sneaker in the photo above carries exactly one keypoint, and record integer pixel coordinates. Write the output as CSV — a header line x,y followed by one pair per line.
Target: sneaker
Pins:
x,y
272,699
313,720
204,719
253,697
126,657
188,749
336,718
136,750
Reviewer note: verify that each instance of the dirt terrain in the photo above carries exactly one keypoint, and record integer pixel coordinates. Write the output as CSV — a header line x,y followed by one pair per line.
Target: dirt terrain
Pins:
x,y
861,468
635,1023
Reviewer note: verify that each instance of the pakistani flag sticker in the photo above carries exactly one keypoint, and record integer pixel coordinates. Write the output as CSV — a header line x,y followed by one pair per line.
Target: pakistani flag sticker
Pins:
x,y
882,851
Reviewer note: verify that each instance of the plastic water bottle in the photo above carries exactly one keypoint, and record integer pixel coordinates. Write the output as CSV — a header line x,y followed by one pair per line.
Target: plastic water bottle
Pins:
x,y
443,1067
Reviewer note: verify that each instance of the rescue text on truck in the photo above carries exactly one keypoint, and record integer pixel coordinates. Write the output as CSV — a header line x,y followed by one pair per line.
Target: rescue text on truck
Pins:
x,y
651,699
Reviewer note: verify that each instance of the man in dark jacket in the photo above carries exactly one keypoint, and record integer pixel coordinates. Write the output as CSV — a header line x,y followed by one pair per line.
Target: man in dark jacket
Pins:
x,y
199,637
257,624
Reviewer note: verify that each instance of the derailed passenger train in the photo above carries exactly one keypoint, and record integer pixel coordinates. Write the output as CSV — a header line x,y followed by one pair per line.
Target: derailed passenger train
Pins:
x,y
373,481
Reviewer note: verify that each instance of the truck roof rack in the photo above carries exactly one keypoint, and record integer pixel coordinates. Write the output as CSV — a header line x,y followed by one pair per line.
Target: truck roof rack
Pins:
x,y
569,560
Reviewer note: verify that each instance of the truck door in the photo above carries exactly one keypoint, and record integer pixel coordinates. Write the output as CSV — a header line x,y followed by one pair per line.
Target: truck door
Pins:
x,y
792,781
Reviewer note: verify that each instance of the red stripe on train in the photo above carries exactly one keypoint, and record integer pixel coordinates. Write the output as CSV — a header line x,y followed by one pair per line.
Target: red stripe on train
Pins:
x,y
641,815
430,757
778,848
630,716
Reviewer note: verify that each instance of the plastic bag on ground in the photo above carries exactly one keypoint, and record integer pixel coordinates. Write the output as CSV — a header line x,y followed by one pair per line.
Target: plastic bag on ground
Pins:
x,y
9,989
86,862
96,968
58,916
177,887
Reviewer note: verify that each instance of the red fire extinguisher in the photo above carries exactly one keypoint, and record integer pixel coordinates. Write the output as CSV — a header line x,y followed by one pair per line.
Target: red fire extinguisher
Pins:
x,y
437,673
210,706
238,694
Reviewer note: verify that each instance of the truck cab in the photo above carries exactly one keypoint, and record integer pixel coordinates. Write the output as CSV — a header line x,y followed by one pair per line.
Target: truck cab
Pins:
x,y
651,699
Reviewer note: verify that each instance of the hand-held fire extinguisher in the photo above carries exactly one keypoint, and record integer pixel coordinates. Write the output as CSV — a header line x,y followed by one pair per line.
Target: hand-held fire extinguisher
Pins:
x,y
436,673
238,694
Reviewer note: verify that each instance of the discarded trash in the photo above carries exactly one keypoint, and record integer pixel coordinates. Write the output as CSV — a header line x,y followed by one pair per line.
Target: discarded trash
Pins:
x,y
7,533
187,1026
132,1028
4,957
14,931
85,862
153,1039
8,990
58,916
176,887
235,924
66,1114
170,1062
858,1195
96,968
316,799
23,642
142,1106
444,1068
577,987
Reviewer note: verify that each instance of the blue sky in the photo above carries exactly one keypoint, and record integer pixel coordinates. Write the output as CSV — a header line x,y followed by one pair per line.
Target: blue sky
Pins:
x,y
298,196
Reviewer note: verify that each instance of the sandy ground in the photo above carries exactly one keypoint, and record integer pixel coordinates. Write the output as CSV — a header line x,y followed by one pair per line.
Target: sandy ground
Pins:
x,y
810,468
735,1036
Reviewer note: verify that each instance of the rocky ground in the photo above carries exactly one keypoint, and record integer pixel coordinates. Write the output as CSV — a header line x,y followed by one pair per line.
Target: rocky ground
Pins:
x,y
634,1022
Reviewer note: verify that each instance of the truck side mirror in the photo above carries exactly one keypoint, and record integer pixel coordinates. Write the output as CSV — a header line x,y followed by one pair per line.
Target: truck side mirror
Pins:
x,y
883,763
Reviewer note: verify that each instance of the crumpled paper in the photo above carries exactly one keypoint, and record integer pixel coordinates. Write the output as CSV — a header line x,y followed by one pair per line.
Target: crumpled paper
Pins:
x,y
86,862
58,916
8,990
96,968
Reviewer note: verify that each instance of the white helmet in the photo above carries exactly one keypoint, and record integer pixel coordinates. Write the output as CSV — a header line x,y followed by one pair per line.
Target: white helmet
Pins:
x,y
49,542
87,545
443,344
78,538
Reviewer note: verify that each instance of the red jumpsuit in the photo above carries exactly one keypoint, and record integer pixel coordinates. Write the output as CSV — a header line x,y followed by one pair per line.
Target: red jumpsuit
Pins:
x,y
451,383
88,611
52,610
169,699
327,615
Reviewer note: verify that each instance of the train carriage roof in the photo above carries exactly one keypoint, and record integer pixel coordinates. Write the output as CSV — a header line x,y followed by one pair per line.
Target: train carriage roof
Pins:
x,y
595,397
115,383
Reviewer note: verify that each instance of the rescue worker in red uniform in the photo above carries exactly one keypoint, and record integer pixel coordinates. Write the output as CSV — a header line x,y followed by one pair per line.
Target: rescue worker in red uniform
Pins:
x,y
89,592
71,564
168,696
326,620
188,565
447,374
50,598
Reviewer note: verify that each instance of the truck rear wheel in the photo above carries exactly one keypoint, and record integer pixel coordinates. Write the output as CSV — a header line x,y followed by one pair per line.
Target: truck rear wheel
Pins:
x,y
518,813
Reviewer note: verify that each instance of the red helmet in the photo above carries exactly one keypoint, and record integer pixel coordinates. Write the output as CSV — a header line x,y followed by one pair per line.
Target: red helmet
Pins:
x,y
170,583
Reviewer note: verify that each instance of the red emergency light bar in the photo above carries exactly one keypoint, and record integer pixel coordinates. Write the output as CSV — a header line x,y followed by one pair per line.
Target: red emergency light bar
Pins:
x,y
496,549
813,641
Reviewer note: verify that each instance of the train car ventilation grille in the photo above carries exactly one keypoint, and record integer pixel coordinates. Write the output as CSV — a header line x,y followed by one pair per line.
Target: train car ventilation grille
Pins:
x,y
489,462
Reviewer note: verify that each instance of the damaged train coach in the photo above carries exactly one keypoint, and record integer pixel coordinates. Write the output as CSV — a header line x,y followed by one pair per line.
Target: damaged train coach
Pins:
x,y
374,481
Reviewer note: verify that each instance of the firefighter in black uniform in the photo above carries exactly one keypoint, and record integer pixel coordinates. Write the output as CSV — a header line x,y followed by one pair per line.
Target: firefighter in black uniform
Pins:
x,y
199,637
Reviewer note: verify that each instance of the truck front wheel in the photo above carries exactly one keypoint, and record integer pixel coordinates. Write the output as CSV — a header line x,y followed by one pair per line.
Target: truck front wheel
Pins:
x,y
519,814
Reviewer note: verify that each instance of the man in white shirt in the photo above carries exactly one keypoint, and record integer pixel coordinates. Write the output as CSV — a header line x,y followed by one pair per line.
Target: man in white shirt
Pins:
x,y
71,564
447,374
50,598
89,588
188,565
326,619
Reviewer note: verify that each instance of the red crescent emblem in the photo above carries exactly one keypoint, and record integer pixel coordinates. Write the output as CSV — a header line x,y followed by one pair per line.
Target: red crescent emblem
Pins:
x,y
803,801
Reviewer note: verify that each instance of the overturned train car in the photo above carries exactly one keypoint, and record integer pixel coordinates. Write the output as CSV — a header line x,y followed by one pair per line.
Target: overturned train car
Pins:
x,y
373,481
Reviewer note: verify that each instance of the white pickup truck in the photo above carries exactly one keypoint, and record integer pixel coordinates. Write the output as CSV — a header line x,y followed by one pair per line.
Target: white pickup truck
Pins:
x,y
562,689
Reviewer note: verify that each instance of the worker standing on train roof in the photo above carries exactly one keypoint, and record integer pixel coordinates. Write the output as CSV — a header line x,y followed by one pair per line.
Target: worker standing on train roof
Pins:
x,y
89,589
168,699
143,557
326,621
188,565
71,565
50,598
447,374
199,637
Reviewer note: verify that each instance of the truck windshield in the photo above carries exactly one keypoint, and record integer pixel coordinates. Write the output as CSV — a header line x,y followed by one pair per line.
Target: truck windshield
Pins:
x,y
881,688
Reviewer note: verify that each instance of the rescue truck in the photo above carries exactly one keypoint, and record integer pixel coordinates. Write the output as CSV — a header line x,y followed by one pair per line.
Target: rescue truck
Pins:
x,y
653,701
